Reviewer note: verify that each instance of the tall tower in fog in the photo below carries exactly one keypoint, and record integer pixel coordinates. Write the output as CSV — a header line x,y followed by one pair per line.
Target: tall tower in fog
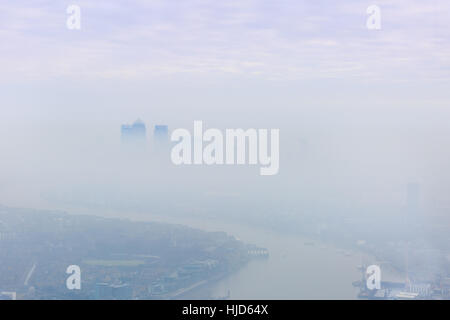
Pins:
x,y
133,133
413,198
413,217
161,134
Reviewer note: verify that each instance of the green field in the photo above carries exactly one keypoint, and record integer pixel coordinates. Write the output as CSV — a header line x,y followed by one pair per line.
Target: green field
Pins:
x,y
114,263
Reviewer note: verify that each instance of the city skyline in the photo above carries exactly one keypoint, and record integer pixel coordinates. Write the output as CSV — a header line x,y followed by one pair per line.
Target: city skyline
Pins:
x,y
166,149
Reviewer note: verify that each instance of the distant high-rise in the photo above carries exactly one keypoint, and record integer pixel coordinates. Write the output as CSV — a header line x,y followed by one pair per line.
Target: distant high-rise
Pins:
x,y
161,134
413,197
134,133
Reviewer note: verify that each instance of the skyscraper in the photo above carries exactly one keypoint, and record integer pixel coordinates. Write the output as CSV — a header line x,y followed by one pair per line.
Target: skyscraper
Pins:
x,y
412,214
134,133
161,134
413,197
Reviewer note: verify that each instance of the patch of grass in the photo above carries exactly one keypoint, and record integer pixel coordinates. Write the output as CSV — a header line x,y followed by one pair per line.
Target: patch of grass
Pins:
x,y
114,263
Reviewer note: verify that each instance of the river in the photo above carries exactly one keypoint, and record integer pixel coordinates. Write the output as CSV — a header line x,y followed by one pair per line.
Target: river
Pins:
x,y
295,269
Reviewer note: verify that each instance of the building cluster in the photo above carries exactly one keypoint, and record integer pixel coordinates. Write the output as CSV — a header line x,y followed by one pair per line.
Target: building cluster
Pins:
x,y
137,133
434,290
118,259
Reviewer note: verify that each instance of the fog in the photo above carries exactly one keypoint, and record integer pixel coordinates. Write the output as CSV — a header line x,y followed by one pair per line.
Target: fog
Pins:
x,y
359,119
351,150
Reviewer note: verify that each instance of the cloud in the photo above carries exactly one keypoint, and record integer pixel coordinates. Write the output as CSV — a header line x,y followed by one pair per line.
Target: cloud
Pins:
x,y
285,39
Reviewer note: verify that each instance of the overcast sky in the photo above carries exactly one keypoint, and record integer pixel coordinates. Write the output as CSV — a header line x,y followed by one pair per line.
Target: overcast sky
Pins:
x,y
285,39
364,107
